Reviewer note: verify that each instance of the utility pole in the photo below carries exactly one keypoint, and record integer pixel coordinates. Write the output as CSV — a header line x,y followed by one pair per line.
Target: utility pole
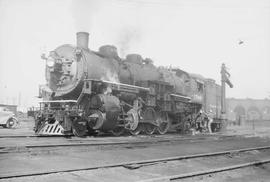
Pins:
x,y
19,99
224,79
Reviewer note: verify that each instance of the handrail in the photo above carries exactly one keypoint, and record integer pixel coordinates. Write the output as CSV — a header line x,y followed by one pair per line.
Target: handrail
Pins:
x,y
58,101
120,84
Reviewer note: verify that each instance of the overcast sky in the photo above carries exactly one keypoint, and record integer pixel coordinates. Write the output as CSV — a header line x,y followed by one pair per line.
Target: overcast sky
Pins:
x,y
194,35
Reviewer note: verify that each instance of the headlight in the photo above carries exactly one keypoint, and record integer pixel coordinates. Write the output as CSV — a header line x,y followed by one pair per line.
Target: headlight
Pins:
x,y
50,62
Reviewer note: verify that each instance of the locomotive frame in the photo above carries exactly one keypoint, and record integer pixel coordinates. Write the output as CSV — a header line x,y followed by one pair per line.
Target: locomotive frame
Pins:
x,y
152,110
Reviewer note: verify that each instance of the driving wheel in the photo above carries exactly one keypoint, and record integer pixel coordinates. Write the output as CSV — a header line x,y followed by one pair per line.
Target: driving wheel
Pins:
x,y
164,123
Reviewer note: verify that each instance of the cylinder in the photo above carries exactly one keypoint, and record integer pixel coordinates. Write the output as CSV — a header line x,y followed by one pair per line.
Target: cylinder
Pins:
x,y
82,39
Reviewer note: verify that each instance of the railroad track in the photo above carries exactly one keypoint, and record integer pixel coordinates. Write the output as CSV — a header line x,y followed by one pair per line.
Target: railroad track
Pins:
x,y
142,163
85,143
99,135
32,136
206,172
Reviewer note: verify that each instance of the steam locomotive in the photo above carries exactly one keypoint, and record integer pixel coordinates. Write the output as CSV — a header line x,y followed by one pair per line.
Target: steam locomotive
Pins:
x,y
97,91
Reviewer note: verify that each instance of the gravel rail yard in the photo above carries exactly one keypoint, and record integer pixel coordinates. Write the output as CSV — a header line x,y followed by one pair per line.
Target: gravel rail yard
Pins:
x,y
22,163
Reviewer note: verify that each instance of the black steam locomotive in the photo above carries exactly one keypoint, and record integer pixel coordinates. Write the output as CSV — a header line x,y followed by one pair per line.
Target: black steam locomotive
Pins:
x,y
89,92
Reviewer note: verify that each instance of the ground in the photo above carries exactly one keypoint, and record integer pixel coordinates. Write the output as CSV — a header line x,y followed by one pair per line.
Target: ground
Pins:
x,y
20,156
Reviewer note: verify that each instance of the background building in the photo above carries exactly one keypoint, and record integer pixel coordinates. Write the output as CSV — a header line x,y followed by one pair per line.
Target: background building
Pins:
x,y
248,109
12,108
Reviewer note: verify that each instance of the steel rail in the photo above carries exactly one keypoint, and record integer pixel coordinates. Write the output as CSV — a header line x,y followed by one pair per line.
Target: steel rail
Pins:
x,y
205,172
150,161
84,144
154,142
27,136
106,135
87,143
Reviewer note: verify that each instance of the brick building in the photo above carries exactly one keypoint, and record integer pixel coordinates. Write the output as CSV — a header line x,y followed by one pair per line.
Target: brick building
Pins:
x,y
248,109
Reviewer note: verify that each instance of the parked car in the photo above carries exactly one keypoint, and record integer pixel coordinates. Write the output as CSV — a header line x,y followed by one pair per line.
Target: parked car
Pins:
x,y
7,118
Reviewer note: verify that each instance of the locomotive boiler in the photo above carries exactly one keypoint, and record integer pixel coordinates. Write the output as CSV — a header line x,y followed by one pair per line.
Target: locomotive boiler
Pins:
x,y
97,91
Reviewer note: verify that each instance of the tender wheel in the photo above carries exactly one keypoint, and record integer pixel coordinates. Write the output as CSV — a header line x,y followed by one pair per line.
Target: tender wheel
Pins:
x,y
164,123
118,131
11,123
149,129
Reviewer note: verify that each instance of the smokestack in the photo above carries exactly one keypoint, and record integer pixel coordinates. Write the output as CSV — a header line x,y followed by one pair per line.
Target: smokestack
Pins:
x,y
82,39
